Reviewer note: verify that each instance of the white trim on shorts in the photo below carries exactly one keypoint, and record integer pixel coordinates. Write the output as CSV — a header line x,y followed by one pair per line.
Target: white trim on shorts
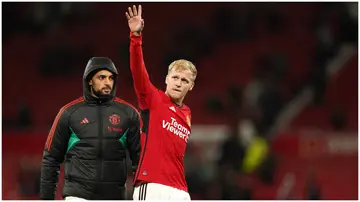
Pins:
x,y
73,198
155,191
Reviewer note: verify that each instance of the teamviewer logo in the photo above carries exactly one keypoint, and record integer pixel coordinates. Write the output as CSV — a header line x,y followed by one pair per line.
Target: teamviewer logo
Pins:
x,y
176,128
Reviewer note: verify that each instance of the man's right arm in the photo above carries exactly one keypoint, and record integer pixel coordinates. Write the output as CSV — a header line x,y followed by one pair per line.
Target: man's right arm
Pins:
x,y
53,156
142,84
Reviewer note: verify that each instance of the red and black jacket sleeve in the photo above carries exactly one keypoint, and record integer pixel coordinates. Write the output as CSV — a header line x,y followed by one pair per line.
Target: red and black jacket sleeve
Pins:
x,y
53,155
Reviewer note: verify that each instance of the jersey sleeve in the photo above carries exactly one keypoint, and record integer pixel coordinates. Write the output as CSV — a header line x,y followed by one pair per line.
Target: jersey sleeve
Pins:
x,y
144,89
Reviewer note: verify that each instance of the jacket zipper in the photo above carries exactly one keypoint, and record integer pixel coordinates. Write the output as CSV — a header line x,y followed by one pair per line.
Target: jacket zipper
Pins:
x,y
100,175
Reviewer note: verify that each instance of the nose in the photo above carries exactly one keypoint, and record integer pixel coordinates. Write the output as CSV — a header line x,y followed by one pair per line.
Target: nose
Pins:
x,y
106,81
178,83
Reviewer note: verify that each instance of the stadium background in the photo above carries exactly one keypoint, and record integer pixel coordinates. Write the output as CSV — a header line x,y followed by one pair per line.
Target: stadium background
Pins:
x,y
274,106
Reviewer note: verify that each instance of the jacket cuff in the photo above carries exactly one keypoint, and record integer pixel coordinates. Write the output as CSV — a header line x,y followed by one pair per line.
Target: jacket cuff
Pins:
x,y
133,168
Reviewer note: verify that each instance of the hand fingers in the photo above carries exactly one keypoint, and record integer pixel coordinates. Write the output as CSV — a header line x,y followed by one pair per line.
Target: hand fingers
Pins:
x,y
142,23
140,10
134,10
130,12
127,16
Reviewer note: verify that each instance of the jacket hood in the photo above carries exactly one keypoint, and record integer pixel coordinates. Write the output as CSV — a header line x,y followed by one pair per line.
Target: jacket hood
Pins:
x,y
94,65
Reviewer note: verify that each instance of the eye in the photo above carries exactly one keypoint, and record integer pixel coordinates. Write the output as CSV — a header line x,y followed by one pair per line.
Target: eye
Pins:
x,y
101,77
175,77
185,81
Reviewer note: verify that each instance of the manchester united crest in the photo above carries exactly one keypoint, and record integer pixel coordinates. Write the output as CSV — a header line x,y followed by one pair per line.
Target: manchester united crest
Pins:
x,y
114,119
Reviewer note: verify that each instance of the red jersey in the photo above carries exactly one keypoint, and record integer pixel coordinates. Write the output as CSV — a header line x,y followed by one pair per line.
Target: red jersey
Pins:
x,y
166,128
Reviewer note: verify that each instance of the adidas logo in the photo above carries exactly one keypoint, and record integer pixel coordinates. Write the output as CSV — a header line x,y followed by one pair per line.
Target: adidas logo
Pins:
x,y
172,108
84,121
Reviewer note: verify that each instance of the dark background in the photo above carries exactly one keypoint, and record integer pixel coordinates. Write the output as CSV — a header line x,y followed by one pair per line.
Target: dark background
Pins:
x,y
274,106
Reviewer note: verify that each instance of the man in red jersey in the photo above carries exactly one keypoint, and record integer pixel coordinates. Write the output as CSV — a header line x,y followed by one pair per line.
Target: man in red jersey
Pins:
x,y
160,174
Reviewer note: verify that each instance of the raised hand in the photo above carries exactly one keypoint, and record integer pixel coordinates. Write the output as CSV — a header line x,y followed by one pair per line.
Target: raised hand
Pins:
x,y
136,23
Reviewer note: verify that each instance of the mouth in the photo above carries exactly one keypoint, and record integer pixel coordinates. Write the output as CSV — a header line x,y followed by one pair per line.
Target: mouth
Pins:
x,y
106,90
177,90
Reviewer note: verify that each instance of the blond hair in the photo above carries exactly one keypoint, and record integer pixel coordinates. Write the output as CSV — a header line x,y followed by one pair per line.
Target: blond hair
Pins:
x,y
181,65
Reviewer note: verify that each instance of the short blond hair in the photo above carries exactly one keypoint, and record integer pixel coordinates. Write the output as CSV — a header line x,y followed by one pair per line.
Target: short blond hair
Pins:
x,y
181,65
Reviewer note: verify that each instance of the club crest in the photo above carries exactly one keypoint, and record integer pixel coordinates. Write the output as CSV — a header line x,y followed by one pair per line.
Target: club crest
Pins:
x,y
114,119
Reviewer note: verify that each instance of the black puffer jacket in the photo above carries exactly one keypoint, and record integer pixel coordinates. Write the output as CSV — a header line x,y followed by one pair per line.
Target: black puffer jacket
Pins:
x,y
91,135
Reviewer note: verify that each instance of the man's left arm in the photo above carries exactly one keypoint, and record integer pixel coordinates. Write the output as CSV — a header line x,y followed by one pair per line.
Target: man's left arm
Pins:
x,y
133,140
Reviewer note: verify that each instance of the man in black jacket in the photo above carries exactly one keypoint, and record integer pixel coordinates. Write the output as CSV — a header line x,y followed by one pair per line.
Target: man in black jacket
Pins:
x,y
91,135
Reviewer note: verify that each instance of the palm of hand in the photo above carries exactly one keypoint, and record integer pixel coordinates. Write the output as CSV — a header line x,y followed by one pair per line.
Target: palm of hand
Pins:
x,y
135,24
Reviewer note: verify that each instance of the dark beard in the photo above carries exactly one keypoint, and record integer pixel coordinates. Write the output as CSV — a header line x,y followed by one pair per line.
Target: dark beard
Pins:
x,y
101,95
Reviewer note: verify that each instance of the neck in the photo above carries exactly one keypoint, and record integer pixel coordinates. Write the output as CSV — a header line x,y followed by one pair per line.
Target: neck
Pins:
x,y
178,102
92,94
